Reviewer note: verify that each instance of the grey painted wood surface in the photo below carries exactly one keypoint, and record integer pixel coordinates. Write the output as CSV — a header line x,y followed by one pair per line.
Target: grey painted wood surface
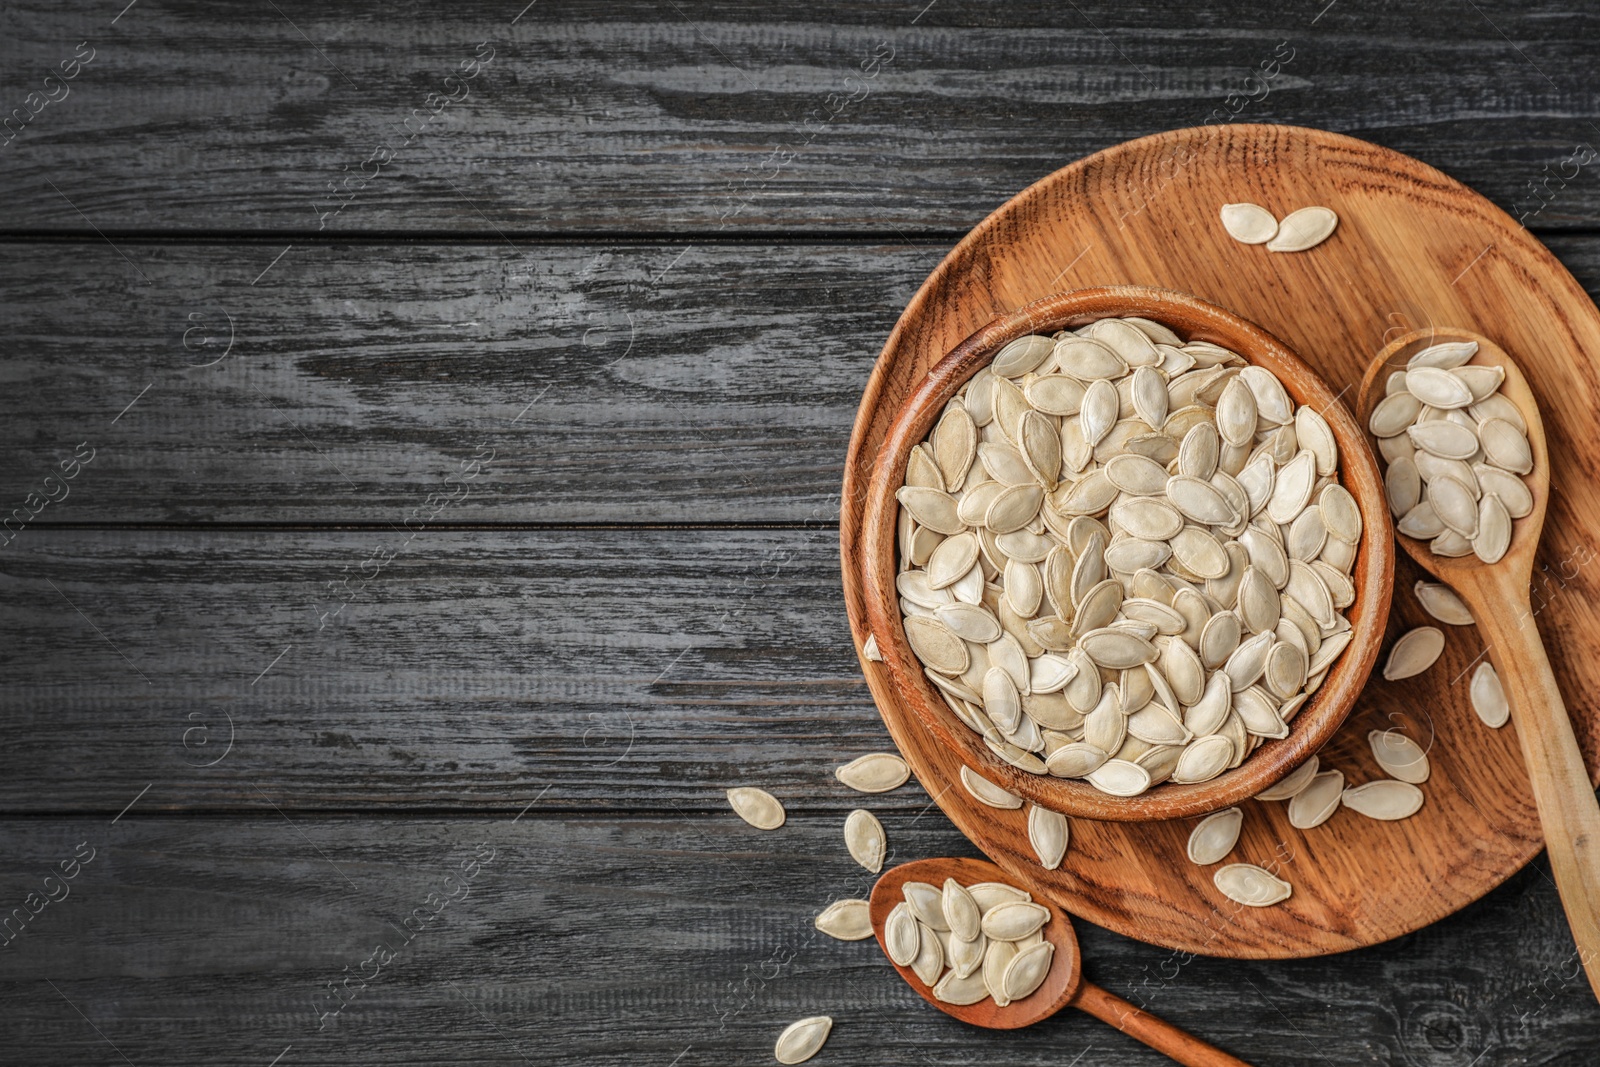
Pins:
x,y
402,543
587,670
699,118
611,940
669,382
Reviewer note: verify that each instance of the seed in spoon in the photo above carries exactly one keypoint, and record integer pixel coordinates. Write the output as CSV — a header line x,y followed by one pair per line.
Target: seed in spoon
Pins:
x,y
901,936
1488,697
960,911
1026,972
801,1040
1415,652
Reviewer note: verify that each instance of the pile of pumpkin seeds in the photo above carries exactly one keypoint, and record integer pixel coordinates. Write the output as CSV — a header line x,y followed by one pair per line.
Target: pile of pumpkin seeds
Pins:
x,y
1457,450
1124,557
970,943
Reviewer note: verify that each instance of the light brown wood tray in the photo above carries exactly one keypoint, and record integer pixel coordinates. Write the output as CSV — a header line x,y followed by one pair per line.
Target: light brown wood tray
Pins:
x,y
1413,249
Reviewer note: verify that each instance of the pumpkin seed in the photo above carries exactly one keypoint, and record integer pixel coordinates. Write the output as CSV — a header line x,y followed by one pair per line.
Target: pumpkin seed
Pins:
x,y
1245,883
901,938
864,837
1014,920
1303,229
1512,491
960,911
1387,800
802,1040
1445,356
1204,759
926,902
1022,355
846,920
986,792
1293,783
1048,833
1416,651
1394,415
929,963
1505,446
1027,971
1438,388
1316,801
757,807
1402,485
1399,756
869,649
1442,603
996,958
1448,440
935,645
961,988
876,772
1120,778
1214,837
1249,224
931,508
1077,759
1494,530
1489,697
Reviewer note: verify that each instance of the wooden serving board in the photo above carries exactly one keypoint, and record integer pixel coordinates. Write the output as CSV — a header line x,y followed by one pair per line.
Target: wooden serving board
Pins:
x,y
1414,248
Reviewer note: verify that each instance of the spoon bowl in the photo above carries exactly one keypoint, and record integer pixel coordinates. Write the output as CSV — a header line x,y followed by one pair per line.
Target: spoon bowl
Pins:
x,y
1063,984
1498,595
1525,531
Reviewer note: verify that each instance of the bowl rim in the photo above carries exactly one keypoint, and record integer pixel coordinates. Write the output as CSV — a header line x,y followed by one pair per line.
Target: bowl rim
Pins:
x,y
1372,571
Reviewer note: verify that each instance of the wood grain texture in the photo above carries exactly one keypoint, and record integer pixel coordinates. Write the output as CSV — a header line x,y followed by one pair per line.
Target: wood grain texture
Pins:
x,y
700,117
914,704
386,365
1407,238
649,383
585,669
616,941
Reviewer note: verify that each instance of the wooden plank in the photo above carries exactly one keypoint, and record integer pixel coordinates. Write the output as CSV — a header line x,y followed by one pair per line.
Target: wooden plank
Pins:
x,y
645,383
578,669
606,116
363,376
615,941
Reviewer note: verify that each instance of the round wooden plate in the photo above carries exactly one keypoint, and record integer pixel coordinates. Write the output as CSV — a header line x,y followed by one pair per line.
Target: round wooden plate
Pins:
x,y
1414,249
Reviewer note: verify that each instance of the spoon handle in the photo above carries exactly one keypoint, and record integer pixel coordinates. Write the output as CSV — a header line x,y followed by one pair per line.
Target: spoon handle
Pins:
x,y
1561,788
1157,1033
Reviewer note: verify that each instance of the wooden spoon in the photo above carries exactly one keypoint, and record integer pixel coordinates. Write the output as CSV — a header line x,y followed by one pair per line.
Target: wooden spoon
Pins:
x,y
1498,597
1063,985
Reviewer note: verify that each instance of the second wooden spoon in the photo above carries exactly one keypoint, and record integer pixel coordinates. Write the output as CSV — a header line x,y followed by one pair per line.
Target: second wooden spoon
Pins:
x,y
1498,596
1063,984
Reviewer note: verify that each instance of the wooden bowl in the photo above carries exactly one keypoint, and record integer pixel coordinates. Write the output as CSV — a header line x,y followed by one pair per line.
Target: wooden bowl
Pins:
x,y
1373,572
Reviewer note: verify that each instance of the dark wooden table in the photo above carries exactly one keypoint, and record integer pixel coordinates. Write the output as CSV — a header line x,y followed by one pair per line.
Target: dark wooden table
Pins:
x,y
423,426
